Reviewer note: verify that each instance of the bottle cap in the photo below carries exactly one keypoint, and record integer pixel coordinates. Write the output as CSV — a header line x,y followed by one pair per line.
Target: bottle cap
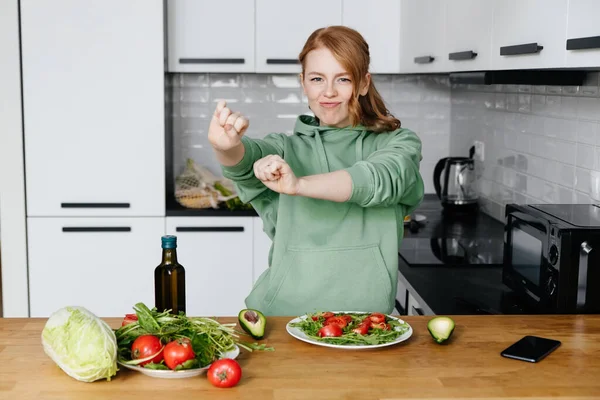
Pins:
x,y
169,242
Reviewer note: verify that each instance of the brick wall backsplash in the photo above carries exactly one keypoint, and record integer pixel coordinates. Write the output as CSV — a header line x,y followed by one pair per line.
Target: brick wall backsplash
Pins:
x,y
273,102
542,143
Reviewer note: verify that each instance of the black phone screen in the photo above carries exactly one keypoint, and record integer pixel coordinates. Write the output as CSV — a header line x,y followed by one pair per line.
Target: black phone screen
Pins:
x,y
531,348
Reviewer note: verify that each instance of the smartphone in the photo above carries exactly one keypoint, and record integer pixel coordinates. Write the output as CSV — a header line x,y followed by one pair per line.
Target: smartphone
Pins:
x,y
531,349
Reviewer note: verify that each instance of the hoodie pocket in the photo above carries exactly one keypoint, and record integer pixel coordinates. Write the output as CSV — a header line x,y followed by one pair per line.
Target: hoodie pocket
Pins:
x,y
340,278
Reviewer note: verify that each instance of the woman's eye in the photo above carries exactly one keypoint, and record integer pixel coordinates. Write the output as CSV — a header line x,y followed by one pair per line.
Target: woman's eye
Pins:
x,y
316,79
344,79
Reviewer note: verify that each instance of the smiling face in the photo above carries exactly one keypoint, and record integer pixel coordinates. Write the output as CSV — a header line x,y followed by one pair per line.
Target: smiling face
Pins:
x,y
328,87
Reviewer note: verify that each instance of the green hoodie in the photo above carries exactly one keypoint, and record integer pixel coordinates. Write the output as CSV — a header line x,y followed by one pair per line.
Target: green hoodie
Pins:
x,y
327,255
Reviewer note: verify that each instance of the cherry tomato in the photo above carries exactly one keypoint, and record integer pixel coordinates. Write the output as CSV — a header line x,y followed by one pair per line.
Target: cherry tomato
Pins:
x,y
377,318
144,346
224,373
129,319
335,320
347,318
177,352
361,329
332,330
327,314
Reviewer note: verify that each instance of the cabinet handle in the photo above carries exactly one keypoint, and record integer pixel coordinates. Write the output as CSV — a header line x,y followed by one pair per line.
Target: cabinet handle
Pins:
x,y
528,48
95,205
424,59
96,229
418,311
399,307
209,229
212,61
282,61
462,55
591,42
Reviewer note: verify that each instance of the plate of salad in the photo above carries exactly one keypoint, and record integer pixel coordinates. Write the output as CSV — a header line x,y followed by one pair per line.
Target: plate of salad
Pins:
x,y
349,329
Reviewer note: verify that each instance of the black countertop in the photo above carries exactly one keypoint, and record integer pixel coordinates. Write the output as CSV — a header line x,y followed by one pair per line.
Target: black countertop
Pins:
x,y
453,286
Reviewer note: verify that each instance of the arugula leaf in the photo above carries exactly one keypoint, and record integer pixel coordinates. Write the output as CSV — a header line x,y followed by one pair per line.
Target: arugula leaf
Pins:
x,y
145,318
156,366
189,364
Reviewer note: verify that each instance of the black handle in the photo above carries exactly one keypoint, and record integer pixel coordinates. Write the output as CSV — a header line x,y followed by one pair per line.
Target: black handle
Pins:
x,y
96,229
437,175
209,229
424,59
583,43
95,205
212,61
418,311
462,55
399,308
282,61
527,48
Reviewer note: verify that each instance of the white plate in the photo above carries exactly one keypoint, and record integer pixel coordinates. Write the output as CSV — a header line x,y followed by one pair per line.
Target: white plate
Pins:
x,y
185,373
298,334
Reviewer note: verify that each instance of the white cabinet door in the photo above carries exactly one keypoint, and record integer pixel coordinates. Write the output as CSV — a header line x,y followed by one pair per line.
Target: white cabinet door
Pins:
x,y
583,34
423,41
377,22
283,26
210,36
529,34
105,265
469,35
216,253
93,97
262,247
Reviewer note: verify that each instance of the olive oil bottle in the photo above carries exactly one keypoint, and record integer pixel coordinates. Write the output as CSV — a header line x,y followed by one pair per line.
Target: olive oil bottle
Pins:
x,y
169,279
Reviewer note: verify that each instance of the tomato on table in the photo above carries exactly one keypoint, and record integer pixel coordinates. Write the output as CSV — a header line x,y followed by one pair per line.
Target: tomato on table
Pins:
x,y
342,322
145,346
129,319
377,317
177,352
332,330
224,373
361,329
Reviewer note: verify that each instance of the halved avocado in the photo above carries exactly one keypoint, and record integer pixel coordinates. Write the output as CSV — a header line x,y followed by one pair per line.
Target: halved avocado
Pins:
x,y
253,322
441,328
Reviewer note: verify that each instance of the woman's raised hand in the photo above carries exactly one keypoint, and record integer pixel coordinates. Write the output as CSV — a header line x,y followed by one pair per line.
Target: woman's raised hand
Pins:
x,y
226,128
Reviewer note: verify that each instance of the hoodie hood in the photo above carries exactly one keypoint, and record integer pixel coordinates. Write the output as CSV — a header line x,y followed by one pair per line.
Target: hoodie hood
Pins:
x,y
308,125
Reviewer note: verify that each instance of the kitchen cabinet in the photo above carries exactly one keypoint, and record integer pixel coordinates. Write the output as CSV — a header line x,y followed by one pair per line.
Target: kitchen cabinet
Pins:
x,y
216,253
103,264
210,36
93,107
261,248
583,34
469,35
283,26
377,22
529,34
422,40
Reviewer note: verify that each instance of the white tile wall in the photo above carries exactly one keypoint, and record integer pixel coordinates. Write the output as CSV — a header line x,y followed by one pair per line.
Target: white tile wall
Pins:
x,y
273,102
542,143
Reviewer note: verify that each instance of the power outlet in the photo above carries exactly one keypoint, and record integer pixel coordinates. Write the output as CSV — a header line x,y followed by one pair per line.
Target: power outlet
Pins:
x,y
479,150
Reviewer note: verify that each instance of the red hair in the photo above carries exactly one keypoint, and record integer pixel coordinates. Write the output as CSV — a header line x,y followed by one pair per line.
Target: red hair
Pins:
x,y
352,51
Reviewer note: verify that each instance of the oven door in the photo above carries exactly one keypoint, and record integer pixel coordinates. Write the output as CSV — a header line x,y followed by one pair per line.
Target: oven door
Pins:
x,y
526,269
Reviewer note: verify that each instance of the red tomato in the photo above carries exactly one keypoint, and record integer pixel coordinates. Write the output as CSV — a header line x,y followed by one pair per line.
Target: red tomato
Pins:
x,y
129,319
377,318
361,329
327,315
177,352
224,373
381,325
144,346
347,318
332,330
336,320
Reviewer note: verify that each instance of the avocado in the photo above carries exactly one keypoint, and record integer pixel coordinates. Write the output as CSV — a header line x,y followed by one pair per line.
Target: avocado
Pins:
x,y
440,328
253,322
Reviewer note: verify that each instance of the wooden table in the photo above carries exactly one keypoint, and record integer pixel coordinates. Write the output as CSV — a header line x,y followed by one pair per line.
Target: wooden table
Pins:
x,y
469,366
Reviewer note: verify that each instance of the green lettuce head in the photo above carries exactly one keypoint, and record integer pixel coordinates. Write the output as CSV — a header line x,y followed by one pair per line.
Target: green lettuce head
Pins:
x,y
81,344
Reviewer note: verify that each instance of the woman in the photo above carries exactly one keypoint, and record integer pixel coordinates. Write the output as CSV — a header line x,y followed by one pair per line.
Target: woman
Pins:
x,y
333,195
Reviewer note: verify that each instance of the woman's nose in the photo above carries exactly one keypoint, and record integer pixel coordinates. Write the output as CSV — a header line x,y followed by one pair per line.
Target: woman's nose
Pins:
x,y
330,90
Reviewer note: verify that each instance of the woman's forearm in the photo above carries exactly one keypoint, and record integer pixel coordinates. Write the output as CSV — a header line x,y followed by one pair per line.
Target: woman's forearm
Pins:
x,y
230,157
333,186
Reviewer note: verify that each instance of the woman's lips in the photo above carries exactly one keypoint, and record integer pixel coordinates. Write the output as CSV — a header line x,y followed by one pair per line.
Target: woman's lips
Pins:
x,y
329,104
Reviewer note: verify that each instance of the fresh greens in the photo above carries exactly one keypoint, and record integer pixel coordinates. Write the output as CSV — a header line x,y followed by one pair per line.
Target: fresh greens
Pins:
x,y
312,323
81,344
209,338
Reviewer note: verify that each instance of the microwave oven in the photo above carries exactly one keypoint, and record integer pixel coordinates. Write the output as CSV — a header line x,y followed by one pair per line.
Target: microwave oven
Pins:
x,y
552,256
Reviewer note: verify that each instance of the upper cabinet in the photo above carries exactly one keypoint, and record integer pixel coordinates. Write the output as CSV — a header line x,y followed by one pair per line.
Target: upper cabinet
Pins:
x,y
422,37
377,21
583,34
208,35
93,101
469,35
529,34
283,26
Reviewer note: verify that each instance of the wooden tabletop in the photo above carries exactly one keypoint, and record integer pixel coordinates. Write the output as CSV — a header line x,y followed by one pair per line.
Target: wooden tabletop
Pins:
x,y
469,366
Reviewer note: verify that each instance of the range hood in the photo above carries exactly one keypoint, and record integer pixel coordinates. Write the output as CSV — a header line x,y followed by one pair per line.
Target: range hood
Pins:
x,y
521,77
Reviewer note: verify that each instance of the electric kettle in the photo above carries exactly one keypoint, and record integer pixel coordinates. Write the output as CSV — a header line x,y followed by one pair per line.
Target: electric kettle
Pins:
x,y
454,181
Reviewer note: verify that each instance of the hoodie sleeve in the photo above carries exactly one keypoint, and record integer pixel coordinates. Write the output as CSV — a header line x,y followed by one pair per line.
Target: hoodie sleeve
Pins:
x,y
390,175
248,186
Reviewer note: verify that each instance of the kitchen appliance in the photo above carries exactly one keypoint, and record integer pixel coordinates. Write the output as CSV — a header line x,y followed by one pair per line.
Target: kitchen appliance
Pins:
x,y
552,256
454,181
